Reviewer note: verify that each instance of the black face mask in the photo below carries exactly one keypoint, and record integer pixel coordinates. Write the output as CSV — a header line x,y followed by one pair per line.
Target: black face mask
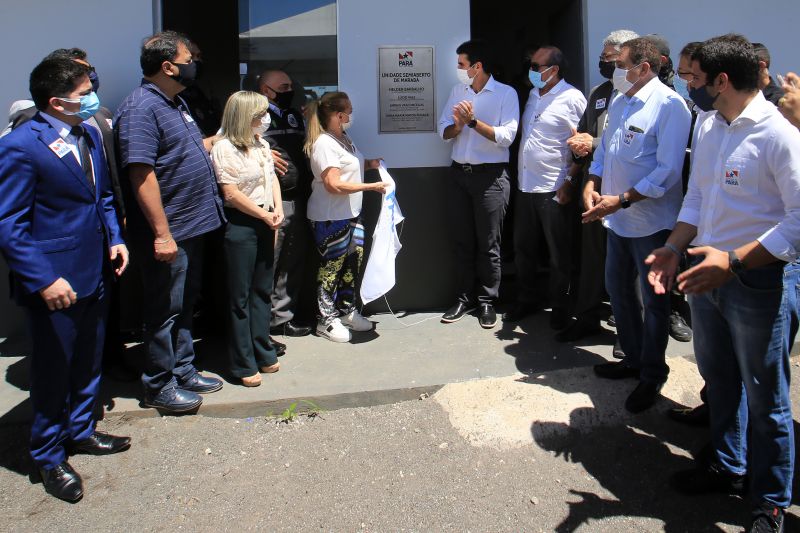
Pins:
x,y
187,73
702,98
607,69
283,100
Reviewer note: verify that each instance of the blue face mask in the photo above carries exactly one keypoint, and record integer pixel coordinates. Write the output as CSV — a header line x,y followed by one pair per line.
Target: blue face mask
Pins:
x,y
681,87
536,78
90,104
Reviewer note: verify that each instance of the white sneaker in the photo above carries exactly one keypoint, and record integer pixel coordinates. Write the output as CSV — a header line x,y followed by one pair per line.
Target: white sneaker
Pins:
x,y
334,331
356,322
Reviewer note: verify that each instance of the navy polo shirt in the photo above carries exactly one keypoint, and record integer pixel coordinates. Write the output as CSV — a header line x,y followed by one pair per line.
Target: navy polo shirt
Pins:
x,y
152,129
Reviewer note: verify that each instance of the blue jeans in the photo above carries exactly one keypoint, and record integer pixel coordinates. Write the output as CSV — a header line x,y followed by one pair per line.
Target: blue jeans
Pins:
x,y
170,290
742,335
642,336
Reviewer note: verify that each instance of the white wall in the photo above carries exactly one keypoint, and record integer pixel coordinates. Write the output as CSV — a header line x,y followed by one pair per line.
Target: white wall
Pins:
x,y
110,32
772,22
363,26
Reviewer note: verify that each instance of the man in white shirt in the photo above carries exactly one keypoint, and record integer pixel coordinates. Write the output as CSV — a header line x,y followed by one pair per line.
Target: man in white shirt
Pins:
x,y
543,204
742,213
480,119
638,163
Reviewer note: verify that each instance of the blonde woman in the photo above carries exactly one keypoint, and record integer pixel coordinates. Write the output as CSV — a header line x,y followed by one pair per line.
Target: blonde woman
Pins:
x,y
334,209
246,174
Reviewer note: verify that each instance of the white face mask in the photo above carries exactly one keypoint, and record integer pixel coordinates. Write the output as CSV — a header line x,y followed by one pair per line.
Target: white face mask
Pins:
x,y
346,125
463,76
266,120
620,79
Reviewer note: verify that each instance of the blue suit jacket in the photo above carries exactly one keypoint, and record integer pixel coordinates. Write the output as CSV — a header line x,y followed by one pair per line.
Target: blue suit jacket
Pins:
x,y
52,224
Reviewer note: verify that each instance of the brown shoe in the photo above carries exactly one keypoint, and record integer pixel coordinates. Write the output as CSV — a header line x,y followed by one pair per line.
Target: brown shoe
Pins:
x,y
271,369
252,381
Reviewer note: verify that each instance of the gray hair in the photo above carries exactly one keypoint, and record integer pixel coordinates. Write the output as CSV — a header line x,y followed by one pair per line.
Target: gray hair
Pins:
x,y
616,38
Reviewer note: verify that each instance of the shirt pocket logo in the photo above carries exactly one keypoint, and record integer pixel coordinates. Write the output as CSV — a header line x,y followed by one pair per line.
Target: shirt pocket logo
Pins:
x,y
740,176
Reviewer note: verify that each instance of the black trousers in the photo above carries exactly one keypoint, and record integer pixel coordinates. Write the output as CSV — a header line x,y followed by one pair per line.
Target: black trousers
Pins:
x,y
538,217
592,282
477,200
292,244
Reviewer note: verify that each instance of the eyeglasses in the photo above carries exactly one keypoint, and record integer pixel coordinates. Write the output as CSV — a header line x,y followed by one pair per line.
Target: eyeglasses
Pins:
x,y
609,58
537,66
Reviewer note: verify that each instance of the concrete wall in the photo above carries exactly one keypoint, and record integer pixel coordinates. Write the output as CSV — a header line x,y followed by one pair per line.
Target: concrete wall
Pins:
x,y
363,25
681,21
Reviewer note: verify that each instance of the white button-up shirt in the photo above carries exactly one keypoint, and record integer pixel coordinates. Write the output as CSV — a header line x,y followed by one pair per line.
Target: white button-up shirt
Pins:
x,y
745,181
497,105
544,157
643,147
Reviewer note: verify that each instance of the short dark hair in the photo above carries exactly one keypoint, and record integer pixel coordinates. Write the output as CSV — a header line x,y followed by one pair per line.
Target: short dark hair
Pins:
x,y
156,49
643,50
56,76
477,50
732,54
762,52
69,53
690,48
556,57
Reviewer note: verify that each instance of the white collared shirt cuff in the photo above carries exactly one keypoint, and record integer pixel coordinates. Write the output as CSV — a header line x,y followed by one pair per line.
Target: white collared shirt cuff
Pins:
x,y
689,215
645,188
777,245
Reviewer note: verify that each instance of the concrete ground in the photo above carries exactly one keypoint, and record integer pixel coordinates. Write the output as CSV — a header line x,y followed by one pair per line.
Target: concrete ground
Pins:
x,y
513,433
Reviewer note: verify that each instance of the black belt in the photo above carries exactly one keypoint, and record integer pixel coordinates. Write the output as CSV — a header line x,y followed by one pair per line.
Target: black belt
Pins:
x,y
470,168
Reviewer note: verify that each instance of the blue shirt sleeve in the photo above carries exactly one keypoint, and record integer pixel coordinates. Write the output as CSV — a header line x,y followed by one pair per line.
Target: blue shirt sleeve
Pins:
x,y
138,136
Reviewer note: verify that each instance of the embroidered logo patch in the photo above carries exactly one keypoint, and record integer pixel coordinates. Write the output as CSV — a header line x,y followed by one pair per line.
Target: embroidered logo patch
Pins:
x,y
600,103
60,147
188,117
628,138
732,177
292,120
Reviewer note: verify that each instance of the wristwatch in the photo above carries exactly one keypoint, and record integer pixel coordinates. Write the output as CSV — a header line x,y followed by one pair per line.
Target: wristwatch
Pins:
x,y
625,204
472,123
734,263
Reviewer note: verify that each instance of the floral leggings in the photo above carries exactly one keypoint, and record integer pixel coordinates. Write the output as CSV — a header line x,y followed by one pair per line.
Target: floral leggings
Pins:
x,y
340,244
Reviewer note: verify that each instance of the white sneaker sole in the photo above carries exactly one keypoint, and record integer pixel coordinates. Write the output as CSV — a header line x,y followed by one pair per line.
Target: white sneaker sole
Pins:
x,y
353,327
325,335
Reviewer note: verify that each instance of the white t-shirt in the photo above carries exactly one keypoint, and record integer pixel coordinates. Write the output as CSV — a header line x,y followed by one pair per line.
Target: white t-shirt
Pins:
x,y
327,152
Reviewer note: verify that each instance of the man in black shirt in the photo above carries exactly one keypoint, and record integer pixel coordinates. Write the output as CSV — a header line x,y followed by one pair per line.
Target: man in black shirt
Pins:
x,y
767,85
286,134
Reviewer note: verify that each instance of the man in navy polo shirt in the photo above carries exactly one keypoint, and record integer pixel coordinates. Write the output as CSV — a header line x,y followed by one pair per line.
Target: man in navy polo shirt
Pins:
x,y
170,176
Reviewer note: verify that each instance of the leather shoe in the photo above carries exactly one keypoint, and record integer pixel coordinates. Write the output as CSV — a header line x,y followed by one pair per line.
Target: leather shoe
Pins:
x,y
280,348
559,318
174,400
696,416
579,329
617,350
201,384
456,313
708,478
678,329
62,482
101,444
290,329
643,396
616,370
520,311
487,317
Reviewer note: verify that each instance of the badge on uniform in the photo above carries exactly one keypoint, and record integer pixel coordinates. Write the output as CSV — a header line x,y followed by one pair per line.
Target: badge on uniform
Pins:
x,y
110,123
292,120
628,138
732,177
188,117
60,147
600,103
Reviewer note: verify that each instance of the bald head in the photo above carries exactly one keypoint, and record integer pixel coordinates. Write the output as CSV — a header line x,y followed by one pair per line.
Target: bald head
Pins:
x,y
274,81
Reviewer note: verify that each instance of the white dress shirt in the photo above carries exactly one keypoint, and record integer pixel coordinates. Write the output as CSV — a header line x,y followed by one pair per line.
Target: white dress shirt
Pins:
x,y
744,183
544,157
497,105
643,147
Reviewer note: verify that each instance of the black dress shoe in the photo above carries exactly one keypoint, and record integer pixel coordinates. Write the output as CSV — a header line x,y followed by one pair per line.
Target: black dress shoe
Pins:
x,y
708,478
643,396
616,370
520,311
579,329
63,482
696,416
201,384
174,400
617,350
290,329
280,348
678,329
559,318
101,444
611,321
456,313
487,317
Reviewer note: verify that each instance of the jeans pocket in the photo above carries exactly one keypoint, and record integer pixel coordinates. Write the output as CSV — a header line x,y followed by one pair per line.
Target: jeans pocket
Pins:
x,y
766,280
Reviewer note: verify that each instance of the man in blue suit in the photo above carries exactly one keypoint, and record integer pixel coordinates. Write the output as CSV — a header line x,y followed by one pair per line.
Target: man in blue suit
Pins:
x,y
60,237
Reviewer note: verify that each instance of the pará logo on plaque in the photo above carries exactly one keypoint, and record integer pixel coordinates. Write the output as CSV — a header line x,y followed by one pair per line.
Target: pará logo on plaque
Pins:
x,y
406,59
